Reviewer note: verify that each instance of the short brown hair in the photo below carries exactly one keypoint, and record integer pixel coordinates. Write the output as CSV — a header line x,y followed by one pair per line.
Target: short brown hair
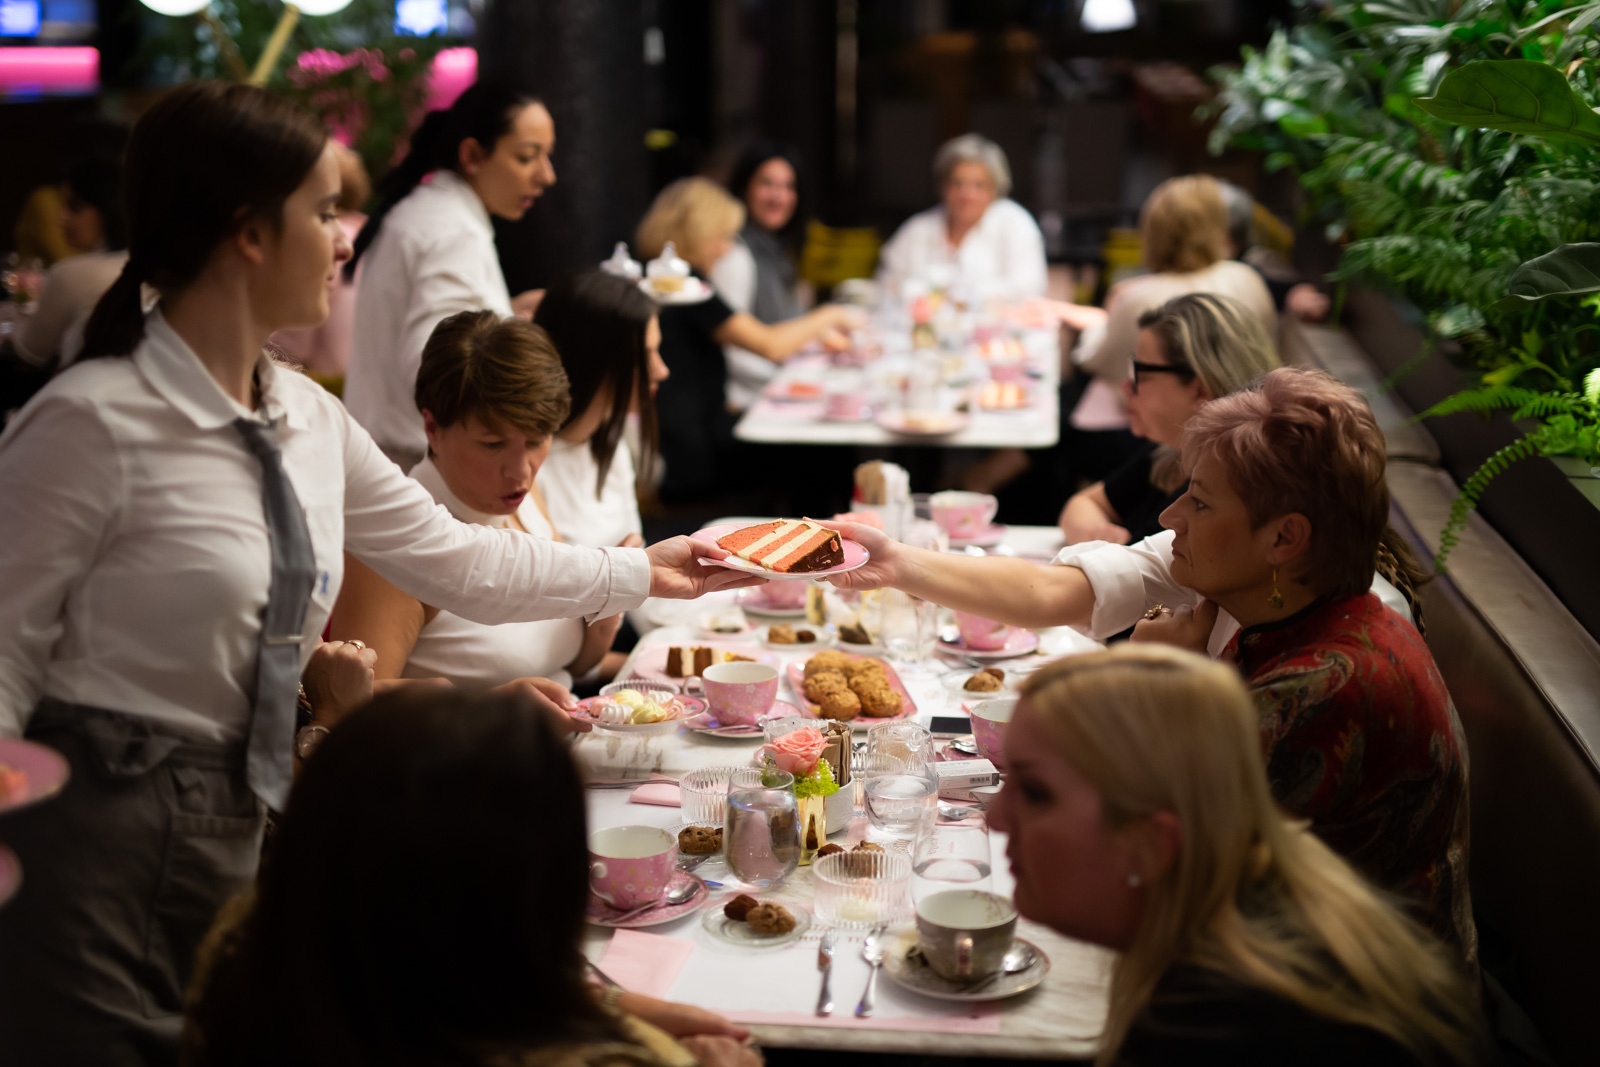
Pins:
x,y
502,371
1184,225
1303,442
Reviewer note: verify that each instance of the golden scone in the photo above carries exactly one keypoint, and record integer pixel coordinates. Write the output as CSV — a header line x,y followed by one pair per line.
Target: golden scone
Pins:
x,y
988,680
829,659
770,919
856,668
840,704
781,634
820,685
878,701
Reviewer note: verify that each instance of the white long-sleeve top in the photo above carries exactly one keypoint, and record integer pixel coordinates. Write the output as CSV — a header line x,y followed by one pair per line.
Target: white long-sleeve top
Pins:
x,y
1001,258
433,257
134,555
1129,580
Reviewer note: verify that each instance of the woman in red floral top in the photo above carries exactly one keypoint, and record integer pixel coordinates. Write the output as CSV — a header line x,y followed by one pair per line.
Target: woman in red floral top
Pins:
x,y
1280,528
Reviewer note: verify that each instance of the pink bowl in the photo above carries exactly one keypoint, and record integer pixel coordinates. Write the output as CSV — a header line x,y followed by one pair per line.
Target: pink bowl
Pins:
x,y
989,719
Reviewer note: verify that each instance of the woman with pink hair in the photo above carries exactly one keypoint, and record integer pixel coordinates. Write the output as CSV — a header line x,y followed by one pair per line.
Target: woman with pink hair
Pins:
x,y
1280,528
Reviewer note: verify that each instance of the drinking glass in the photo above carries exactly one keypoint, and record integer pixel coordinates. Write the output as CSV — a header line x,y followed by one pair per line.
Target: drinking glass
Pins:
x,y
761,841
901,795
860,890
704,793
909,628
951,856
902,740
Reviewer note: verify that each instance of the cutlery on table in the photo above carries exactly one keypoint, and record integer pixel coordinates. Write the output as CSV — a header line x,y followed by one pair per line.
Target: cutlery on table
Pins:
x,y
825,965
1018,959
872,952
674,896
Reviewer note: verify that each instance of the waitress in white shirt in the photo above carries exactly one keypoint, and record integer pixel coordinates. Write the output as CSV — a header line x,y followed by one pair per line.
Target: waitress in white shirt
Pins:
x,y
428,249
177,506
609,340
976,243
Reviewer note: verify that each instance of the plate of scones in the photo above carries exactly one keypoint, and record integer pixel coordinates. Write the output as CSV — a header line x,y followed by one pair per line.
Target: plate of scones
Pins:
x,y
859,690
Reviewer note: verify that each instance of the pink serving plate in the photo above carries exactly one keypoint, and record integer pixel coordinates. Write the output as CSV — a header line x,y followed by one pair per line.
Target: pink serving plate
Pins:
x,y
854,556
650,662
47,772
1020,643
602,914
797,681
987,537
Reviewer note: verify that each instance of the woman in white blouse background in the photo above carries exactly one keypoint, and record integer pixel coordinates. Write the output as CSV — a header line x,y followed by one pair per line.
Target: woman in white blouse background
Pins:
x,y
146,493
609,340
428,248
493,394
976,243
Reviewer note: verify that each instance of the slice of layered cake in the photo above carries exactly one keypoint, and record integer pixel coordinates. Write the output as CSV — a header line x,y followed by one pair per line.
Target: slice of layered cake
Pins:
x,y
692,660
787,545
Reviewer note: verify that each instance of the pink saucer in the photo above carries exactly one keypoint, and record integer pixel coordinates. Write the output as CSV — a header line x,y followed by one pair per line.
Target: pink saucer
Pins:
x,y
602,914
46,770
1020,643
854,556
10,874
987,537
705,724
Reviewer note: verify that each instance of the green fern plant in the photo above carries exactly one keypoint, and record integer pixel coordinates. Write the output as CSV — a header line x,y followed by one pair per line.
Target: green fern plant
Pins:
x,y
1570,425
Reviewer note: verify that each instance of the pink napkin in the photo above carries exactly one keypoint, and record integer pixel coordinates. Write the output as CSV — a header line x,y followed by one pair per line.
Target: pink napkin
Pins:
x,y
663,792
645,963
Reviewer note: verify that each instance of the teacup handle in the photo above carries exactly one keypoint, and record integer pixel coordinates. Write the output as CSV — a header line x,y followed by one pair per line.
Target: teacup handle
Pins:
x,y
597,871
964,957
694,686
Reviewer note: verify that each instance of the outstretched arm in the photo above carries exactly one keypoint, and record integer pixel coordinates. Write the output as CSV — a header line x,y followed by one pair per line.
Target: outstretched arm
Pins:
x,y
1006,589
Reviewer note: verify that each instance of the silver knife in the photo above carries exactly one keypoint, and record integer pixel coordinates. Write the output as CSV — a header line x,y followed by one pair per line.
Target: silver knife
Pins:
x,y
825,965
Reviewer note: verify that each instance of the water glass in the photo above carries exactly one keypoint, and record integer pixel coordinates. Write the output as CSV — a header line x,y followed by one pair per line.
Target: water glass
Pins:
x,y
705,792
909,628
901,796
761,841
860,890
951,856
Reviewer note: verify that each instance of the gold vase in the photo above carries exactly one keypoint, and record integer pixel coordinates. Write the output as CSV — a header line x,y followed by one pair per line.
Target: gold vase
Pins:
x,y
813,826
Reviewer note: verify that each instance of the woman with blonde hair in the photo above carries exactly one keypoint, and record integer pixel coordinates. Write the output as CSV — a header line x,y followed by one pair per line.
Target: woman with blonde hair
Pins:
x,y
1278,533
1140,817
697,444
1191,350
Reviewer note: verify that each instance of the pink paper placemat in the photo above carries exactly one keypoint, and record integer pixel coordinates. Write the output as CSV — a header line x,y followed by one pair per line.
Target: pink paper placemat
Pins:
x,y
664,794
645,963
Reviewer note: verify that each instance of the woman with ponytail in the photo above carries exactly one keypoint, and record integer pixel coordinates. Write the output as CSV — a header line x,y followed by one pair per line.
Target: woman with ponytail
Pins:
x,y
1140,818
428,247
177,508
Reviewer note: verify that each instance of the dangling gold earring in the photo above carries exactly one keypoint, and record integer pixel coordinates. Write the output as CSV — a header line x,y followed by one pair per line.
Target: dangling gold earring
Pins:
x,y
1276,599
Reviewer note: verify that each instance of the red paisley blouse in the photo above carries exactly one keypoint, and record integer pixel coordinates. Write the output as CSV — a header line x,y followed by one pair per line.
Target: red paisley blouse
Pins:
x,y
1361,738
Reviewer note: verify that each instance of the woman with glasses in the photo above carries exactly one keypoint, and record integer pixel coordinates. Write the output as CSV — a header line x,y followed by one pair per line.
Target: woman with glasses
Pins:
x,y
1193,349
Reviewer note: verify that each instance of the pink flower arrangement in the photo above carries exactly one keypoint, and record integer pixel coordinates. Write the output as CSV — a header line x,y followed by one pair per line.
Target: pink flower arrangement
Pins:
x,y
797,751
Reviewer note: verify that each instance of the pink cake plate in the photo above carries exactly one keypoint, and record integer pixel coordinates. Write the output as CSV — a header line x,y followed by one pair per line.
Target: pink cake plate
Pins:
x,y
855,556
1020,643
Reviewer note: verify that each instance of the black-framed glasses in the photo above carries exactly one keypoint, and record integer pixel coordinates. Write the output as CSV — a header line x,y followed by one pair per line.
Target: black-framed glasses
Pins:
x,y
1184,374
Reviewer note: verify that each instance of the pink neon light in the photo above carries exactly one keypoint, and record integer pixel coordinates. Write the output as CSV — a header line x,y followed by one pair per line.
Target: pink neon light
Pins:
x,y
45,69
454,69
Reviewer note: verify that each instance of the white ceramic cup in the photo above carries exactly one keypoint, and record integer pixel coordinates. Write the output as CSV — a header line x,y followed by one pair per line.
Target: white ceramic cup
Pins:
x,y
965,933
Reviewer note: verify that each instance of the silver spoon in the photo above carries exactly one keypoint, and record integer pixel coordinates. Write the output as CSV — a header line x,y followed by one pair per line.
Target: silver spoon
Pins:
x,y
674,896
1020,957
957,812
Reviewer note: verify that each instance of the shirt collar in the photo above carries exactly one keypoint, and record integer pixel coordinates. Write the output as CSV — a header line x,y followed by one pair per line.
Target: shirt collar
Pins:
x,y
428,476
171,367
455,186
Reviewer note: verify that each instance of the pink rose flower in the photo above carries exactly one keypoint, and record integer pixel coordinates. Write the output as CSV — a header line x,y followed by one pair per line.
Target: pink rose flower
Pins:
x,y
797,751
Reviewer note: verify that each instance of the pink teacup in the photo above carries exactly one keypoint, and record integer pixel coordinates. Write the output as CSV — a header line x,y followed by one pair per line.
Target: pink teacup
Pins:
x,y
631,865
963,515
981,633
851,405
740,693
989,718
1008,370
782,594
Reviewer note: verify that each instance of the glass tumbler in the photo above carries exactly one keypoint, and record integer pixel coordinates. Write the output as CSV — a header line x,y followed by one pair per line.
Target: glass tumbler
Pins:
x,y
860,890
761,840
901,795
705,792
951,856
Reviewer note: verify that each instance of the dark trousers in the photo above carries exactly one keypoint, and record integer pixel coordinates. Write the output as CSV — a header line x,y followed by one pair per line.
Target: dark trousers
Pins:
x,y
123,873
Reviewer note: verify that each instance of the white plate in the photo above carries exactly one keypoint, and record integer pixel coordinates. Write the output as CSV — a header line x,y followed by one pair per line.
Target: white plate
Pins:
x,y
738,933
825,637
694,291
855,555
923,424
692,706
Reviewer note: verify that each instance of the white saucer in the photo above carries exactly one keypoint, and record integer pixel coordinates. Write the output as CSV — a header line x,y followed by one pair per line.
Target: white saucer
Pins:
x,y
694,291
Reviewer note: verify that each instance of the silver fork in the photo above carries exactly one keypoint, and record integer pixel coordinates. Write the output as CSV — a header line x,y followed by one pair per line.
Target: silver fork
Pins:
x,y
872,952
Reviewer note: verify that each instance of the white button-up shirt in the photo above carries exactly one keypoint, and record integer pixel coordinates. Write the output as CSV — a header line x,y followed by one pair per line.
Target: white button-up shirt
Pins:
x,y
134,556
1129,580
434,256
1001,258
